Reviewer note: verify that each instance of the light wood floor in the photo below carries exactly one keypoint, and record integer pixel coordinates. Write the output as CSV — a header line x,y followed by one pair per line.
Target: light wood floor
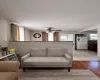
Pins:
x,y
84,55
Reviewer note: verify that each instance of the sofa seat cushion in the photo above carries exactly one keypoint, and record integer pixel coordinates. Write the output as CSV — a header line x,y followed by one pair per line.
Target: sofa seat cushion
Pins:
x,y
41,61
8,76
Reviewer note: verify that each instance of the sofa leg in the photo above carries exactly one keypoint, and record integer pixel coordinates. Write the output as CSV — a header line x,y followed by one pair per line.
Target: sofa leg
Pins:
x,y
68,69
23,69
17,78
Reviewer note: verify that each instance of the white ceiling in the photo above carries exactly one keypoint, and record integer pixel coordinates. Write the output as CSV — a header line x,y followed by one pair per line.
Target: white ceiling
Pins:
x,y
71,15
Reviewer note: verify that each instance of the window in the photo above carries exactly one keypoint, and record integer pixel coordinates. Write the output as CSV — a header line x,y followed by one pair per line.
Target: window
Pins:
x,y
21,30
63,38
70,37
50,36
66,37
93,37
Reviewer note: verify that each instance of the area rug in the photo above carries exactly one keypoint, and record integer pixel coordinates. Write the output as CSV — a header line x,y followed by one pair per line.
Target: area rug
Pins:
x,y
57,75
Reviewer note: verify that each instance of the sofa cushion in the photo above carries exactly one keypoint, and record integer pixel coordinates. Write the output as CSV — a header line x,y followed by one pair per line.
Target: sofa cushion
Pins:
x,y
56,52
43,61
38,52
8,76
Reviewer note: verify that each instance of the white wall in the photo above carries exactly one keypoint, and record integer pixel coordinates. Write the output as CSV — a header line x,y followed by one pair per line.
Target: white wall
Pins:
x,y
36,39
4,32
27,35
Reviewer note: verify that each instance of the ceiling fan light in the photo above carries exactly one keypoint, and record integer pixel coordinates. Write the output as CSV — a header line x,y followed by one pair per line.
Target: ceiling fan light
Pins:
x,y
47,31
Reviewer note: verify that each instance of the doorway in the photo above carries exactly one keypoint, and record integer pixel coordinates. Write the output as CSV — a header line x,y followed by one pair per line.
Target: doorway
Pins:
x,y
86,46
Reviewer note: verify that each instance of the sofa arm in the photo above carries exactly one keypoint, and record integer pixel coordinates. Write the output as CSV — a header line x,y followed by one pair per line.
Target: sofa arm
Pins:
x,y
9,66
24,57
68,57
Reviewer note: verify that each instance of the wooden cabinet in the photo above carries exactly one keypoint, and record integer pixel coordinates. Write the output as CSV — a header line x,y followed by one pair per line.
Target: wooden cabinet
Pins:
x,y
92,45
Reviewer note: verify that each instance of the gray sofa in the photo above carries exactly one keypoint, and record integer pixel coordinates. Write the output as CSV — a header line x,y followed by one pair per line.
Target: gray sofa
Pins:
x,y
47,57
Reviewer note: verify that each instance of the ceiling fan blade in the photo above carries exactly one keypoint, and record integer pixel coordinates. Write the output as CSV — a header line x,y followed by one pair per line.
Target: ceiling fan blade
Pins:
x,y
50,29
58,30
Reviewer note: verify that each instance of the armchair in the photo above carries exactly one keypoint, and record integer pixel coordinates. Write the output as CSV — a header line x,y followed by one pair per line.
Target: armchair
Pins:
x,y
9,70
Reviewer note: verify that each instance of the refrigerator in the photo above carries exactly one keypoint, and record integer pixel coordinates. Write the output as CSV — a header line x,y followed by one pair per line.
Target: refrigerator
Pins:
x,y
82,43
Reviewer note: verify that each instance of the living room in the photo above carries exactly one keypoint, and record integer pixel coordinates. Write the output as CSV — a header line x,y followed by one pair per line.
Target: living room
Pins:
x,y
38,39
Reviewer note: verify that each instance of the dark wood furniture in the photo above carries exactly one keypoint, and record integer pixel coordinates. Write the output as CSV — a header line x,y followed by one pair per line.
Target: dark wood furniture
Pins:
x,y
92,45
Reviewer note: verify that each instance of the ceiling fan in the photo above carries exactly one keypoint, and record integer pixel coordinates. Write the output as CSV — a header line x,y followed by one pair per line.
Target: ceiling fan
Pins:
x,y
51,29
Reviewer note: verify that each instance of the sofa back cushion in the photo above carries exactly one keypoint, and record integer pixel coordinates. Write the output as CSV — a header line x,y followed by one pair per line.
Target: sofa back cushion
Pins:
x,y
38,52
56,52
